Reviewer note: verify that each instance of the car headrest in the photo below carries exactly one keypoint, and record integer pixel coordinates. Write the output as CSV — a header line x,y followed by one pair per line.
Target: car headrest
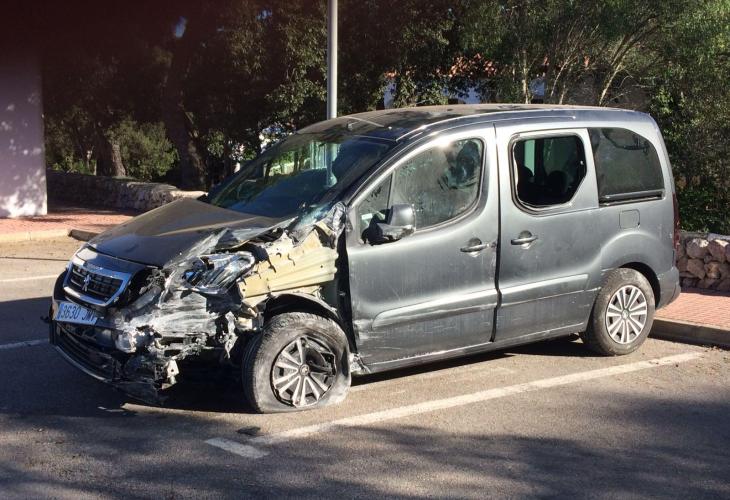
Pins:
x,y
523,174
467,164
557,182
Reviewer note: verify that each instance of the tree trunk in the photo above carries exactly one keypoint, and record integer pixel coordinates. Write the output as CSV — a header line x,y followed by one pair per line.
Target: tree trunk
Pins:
x,y
104,164
117,164
607,85
191,168
109,162
525,77
191,165
228,163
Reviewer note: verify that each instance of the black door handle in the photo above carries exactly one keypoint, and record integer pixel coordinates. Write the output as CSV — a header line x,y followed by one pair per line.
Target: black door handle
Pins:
x,y
476,247
524,238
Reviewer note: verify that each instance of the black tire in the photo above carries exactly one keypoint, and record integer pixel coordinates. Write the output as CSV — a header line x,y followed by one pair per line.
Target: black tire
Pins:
x,y
598,337
325,345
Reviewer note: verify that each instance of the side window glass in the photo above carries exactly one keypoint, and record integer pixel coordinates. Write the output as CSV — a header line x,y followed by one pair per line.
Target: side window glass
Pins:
x,y
625,162
374,208
440,183
549,170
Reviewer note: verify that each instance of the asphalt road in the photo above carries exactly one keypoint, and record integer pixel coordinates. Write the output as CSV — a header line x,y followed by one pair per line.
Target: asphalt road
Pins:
x,y
547,420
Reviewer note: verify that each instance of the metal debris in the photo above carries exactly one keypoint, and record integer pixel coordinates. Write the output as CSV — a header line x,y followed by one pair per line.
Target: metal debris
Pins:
x,y
209,299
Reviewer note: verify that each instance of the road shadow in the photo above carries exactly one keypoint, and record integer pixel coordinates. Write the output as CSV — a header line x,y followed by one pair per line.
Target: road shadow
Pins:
x,y
668,444
21,319
225,395
673,448
45,374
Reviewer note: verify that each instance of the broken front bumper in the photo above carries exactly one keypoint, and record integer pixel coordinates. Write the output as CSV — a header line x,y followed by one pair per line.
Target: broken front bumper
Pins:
x,y
137,375
91,350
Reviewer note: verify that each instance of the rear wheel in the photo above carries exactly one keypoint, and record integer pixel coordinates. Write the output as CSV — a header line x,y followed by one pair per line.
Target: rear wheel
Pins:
x,y
299,361
622,315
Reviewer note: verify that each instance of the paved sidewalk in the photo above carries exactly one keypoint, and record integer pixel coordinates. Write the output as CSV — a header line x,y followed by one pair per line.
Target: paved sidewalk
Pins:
x,y
697,316
699,306
60,221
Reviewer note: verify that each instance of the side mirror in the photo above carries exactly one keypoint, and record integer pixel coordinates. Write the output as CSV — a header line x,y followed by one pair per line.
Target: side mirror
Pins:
x,y
401,222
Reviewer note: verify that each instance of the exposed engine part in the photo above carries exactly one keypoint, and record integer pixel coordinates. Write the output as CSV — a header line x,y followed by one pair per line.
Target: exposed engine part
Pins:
x,y
290,266
191,306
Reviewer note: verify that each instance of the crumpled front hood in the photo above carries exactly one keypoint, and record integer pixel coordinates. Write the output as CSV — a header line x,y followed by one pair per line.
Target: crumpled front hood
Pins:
x,y
162,234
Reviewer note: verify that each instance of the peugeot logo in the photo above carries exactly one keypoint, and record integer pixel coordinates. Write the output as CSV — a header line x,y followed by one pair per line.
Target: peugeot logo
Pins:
x,y
87,281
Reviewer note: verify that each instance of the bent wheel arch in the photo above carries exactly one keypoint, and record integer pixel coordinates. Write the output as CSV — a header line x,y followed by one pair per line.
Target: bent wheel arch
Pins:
x,y
265,350
301,302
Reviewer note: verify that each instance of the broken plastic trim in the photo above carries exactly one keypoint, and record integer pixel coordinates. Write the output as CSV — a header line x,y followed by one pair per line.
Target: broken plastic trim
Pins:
x,y
190,306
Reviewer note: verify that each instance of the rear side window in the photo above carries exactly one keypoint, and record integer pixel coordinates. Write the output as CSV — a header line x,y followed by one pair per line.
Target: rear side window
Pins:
x,y
548,170
626,164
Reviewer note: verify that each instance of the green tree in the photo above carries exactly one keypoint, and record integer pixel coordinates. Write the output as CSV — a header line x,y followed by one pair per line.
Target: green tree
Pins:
x,y
144,149
408,42
592,52
690,100
223,76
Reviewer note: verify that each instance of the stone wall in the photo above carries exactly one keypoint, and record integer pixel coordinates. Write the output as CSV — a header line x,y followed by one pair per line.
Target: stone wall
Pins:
x,y
704,261
110,192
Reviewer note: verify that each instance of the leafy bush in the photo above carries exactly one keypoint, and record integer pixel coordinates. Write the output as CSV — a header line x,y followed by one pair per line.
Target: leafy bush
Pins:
x,y
692,108
146,152
701,209
60,151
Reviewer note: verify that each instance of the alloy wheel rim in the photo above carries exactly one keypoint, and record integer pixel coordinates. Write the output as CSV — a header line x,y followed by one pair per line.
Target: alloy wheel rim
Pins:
x,y
626,314
303,372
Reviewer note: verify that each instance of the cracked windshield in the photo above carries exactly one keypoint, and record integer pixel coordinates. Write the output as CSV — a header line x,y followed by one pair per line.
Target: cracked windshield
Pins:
x,y
300,174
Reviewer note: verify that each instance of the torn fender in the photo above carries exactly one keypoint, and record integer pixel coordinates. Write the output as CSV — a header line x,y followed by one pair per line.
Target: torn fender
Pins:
x,y
290,267
207,297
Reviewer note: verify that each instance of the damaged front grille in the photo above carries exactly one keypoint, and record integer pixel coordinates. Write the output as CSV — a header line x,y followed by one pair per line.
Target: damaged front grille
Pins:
x,y
93,284
91,359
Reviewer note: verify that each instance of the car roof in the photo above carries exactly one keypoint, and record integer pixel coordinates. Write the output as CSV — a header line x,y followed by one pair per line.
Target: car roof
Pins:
x,y
399,123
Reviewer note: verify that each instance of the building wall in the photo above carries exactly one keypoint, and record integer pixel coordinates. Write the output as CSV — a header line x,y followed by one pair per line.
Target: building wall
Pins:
x,y
22,158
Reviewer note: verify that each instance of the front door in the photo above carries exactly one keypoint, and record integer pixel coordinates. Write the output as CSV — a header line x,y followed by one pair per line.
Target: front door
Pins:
x,y
549,267
433,290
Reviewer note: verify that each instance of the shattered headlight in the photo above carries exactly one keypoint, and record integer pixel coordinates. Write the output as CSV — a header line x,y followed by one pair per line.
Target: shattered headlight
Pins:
x,y
214,274
129,342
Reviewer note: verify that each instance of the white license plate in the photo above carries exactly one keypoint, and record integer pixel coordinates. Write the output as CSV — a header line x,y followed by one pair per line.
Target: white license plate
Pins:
x,y
68,312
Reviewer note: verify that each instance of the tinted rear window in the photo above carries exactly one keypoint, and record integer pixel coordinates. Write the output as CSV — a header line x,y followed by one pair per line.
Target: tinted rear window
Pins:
x,y
626,162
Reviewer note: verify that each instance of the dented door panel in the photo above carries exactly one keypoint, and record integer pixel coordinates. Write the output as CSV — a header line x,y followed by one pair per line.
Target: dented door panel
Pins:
x,y
424,294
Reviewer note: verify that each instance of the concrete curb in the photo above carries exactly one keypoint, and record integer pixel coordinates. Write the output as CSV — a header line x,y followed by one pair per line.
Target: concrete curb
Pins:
x,y
82,234
33,235
690,333
78,234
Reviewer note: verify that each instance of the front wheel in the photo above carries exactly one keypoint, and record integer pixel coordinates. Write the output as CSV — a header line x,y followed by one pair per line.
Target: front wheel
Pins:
x,y
622,315
299,361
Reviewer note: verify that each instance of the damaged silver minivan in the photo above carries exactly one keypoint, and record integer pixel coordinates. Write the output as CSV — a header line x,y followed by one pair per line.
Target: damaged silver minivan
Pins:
x,y
382,240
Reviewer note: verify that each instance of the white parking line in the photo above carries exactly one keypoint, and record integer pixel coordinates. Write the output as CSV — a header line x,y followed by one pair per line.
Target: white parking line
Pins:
x,y
249,449
237,448
24,343
29,278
